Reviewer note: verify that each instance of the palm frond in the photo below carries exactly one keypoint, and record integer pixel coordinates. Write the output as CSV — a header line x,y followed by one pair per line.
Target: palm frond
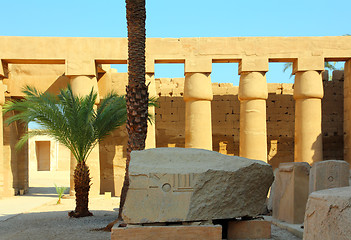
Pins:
x,y
287,66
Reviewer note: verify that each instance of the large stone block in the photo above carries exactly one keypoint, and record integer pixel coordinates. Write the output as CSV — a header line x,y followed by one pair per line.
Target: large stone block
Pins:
x,y
329,174
291,192
328,215
176,184
252,229
204,232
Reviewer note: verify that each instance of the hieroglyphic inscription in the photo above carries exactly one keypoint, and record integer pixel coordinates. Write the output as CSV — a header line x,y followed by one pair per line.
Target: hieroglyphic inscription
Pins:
x,y
184,182
178,182
333,174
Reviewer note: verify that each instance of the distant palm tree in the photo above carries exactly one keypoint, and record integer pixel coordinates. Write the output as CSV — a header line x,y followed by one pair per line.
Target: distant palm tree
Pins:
x,y
327,65
73,122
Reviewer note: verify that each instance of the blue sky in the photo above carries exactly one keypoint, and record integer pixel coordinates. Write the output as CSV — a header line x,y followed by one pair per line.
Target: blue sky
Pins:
x,y
181,18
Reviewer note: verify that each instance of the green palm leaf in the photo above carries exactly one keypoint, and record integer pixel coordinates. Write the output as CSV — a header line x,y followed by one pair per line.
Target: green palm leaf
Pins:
x,y
69,119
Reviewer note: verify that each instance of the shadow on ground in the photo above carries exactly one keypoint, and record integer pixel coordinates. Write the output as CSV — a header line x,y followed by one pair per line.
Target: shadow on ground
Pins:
x,y
56,225
44,192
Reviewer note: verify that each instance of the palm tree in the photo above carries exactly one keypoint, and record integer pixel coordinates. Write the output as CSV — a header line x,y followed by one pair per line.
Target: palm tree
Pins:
x,y
137,91
73,122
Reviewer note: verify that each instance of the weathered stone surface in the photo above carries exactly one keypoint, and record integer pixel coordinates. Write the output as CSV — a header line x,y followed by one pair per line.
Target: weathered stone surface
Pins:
x,y
204,232
291,192
252,229
329,174
328,215
177,184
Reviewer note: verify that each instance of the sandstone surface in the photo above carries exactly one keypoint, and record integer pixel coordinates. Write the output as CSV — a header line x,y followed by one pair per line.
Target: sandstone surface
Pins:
x,y
177,184
328,214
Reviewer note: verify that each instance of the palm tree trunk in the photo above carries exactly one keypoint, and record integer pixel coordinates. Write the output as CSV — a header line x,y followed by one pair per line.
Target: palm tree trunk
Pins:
x,y
81,187
137,92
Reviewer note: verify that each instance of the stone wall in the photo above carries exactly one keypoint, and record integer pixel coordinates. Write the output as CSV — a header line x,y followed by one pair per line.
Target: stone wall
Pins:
x,y
113,148
59,163
333,117
170,118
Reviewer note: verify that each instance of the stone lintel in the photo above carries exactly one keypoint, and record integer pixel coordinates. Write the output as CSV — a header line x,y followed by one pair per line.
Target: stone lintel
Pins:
x,y
137,232
80,67
198,65
314,63
253,64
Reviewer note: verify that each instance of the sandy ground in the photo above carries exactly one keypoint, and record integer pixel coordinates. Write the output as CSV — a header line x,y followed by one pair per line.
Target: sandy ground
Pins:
x,y
50,220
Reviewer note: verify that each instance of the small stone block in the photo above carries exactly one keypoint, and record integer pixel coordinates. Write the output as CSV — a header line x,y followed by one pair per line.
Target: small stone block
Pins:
x,y
291,192
204,232
253,64
252,229
201,65
329,174
107,195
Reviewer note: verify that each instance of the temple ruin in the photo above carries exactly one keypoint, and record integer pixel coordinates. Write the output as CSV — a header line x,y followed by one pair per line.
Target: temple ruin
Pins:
x,y
275,123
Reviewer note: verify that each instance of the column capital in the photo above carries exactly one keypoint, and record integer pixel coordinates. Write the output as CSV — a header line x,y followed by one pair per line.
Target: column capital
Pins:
x,y
308,84
82,85
3,69
197,86
252,85
253,64
80,67
3,89
150,80
150,66
315,63
198,65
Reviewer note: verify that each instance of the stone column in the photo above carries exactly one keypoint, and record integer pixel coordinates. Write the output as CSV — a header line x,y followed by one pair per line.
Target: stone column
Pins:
x,y
308,94
2,101
72,166
198,96
81,86
150,141
347,112
3,74
252,95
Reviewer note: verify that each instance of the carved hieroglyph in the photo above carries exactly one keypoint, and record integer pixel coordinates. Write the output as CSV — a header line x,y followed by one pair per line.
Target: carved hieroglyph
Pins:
x,y
177,184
